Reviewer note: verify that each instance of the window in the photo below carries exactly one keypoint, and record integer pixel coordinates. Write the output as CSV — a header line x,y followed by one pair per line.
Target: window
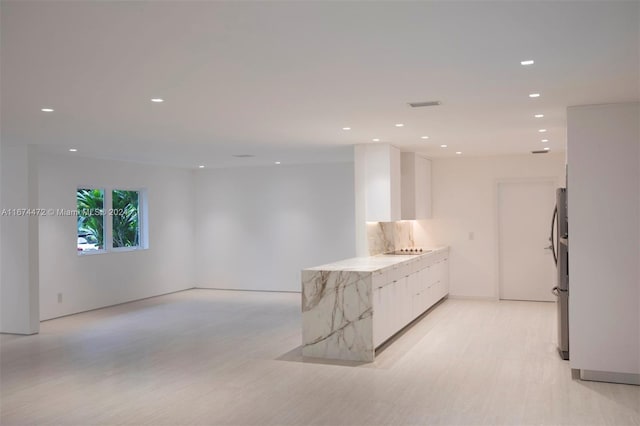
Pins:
x,y
125,226
90,211
125,214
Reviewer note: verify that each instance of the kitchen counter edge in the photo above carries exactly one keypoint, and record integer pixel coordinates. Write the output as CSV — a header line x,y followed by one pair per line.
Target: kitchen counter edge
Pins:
x,y
376,263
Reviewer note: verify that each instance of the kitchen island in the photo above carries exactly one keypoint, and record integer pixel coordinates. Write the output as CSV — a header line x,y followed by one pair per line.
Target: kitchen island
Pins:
x,y
352,307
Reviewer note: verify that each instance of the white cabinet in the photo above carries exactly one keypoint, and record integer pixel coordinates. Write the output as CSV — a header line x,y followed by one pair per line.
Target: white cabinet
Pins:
x,y
395,308
411,288
392,185
405,291
381,308
386,294
416,186
378,316
422,298
377,169
395,319
445,275
440,279
416,290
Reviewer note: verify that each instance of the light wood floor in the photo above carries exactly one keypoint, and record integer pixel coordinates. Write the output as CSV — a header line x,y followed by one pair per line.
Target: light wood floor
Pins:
x,y
222,357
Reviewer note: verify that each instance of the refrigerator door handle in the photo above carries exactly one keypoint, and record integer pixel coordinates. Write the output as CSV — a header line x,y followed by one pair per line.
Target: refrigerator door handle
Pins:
x,y
553,227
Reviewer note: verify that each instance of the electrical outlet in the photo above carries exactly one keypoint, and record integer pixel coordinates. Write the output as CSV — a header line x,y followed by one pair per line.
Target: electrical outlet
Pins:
x,y
471,236
59,297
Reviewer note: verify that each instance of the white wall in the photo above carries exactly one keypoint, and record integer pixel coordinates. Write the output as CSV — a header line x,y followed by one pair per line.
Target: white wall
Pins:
x,y
256,228
93,281
464,200
604,237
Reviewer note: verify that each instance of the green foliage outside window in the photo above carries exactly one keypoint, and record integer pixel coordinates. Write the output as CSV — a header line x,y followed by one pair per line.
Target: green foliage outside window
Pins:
x,y
90,205
126,230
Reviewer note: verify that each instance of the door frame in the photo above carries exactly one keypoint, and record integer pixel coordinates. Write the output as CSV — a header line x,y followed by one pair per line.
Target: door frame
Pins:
x,y
554,180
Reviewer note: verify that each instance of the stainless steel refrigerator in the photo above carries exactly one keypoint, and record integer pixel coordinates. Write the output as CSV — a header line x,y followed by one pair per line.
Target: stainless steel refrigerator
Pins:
x,y
560,246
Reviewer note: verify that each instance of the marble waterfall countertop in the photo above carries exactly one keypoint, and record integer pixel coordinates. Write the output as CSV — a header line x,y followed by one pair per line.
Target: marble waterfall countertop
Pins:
x,y
337,304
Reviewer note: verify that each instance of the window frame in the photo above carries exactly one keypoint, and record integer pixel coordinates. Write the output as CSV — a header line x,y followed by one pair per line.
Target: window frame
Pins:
x,y
107,220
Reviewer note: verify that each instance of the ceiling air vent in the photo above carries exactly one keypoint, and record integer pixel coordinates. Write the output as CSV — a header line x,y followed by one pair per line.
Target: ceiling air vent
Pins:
x,y
539,152
423,104
243,155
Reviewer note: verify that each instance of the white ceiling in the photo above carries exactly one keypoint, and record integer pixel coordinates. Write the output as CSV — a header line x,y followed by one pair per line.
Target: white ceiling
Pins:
x,y
280,80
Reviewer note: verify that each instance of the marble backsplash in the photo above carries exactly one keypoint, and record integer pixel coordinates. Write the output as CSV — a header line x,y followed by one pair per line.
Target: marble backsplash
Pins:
x,y
389,236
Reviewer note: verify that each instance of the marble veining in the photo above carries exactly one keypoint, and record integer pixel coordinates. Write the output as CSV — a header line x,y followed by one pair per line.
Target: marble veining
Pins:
x,y
385,237
336,315
403,234
380,237
337,306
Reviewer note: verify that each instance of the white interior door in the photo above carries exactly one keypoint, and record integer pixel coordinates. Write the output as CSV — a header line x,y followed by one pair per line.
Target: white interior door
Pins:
x,y
527,270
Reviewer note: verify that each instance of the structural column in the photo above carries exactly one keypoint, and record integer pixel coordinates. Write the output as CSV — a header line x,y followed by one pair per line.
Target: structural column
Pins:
x,y
19,277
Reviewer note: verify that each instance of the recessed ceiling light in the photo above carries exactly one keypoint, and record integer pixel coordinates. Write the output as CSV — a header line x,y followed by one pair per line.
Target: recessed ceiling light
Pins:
x,y
443,146
424,137
542,130
534,95
527,62
346,128
399,125
201,166
47,110
458,152
158,100
547,149
73,150
277,162
376,140
544,140
539,115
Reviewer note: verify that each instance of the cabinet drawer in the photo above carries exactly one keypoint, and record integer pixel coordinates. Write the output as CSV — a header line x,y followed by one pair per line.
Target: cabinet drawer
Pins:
x,y
439,292
404,270
378,279
415,266
424,262
394,273
443,255
422,278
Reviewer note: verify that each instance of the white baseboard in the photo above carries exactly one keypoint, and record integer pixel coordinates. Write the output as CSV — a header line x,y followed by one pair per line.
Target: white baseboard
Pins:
x,y
248,289
485,298
606,376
